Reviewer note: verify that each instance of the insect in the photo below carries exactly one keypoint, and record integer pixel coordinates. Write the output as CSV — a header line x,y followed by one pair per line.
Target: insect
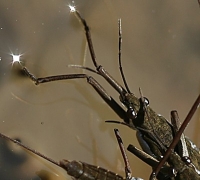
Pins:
x,y
182,150
81,170
155,133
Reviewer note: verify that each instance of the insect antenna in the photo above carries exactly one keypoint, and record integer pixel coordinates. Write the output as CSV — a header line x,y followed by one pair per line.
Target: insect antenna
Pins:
x,y
176,138
119,56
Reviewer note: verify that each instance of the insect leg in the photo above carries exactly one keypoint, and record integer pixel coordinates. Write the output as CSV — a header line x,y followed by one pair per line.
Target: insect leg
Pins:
x,y
127,165
165,172
126,161
182,146
100,90
100,69
128,99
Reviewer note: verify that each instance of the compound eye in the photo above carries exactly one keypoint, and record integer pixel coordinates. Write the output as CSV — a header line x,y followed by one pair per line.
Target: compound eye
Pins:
x,y
146,101
131,113
187,160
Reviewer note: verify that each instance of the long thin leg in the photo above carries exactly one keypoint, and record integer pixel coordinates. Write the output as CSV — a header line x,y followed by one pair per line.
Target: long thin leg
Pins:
x,y
29,149
126,161
76,169
100,90
166,170
126,97
182,146
100,69
123,151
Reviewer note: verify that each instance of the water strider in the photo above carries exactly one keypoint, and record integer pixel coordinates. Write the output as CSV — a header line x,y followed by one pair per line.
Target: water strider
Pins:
x,y
81,170
155,133
184,158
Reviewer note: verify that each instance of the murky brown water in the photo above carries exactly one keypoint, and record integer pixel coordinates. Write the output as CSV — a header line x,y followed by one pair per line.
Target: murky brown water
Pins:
x,y
161,42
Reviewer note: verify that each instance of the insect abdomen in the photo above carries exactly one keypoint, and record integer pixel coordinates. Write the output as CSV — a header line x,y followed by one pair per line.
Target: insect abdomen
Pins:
x,y
84,171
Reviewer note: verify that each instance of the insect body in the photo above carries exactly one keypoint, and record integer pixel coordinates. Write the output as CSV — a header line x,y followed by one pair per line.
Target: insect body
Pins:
x,y
156,132
81,170
84,171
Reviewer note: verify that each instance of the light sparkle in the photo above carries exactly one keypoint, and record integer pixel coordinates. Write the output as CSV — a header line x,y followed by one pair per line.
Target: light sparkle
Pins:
x,y
72,8
16,58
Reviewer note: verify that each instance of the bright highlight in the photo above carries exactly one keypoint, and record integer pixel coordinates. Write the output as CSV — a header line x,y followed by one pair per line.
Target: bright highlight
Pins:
x,y
72,8
16,58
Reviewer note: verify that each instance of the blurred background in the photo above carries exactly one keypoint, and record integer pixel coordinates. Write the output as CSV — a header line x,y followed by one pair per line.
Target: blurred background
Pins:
x,y
65,120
